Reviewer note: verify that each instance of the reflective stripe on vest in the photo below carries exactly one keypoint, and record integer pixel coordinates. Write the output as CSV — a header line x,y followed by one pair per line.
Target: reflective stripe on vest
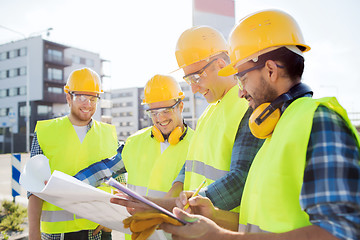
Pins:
x,y
144,191
250,228
273,186
150,171
61,145
205,170
211,146
58,216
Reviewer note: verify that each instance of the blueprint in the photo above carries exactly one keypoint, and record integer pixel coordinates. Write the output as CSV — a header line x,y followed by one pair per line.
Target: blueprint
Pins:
x,y
75,196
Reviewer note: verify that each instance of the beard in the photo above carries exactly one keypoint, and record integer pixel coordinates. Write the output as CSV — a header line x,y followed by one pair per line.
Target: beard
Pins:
x,y
264,94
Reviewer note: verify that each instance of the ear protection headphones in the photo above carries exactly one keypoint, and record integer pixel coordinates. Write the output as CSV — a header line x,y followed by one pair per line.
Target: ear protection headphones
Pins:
x,y
175,136
263,120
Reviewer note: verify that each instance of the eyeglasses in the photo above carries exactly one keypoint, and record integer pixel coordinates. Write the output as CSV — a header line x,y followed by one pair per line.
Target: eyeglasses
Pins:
x,y
83,98
163,111
195,77
240,75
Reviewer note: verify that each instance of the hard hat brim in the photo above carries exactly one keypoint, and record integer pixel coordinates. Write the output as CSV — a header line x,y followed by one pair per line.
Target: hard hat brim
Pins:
x,y
227,71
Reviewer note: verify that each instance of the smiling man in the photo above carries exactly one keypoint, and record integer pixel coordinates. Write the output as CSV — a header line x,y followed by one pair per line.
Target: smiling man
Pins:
x,y
154,156
71,143
304,182
223,147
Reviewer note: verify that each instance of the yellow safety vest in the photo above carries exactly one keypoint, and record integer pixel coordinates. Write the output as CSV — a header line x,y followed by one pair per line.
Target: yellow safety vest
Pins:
x,y
61,145
209,154
150,172
270,200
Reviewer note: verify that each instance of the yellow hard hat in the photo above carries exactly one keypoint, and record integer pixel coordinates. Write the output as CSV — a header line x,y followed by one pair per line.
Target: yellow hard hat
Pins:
x,y
260,31
162,88
198,43
83,80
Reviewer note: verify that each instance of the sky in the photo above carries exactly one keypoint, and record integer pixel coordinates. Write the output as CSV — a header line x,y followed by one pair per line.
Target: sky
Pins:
x,y
139,36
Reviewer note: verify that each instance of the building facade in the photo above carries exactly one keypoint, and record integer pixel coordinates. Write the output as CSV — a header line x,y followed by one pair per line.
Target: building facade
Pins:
x,y
42,67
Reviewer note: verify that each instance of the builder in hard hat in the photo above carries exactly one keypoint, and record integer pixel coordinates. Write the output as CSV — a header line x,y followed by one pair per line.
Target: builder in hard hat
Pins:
x,y
161,149
223,147
154,156
71,143
304,182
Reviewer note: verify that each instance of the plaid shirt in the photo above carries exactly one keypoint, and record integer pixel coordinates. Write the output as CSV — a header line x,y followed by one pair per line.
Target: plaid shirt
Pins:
x,y
225,193
93,175
331,188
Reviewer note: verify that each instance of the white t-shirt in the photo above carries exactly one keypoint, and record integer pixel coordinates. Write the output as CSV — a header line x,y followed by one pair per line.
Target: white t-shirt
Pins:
x,y
81,132
164,145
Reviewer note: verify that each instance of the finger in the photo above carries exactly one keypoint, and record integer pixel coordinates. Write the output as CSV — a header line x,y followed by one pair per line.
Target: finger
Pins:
x,y
199,201
178,203
179,213
184,196
105,229
118,201
97,230
122,195
132,211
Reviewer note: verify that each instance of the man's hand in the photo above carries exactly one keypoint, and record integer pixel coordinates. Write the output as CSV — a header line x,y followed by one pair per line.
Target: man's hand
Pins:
x,y
132,205
198,205
199,227
101,228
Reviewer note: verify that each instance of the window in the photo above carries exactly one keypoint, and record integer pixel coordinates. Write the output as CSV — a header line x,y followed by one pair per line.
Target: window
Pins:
x,y
23,51
2,56
76,59
116,105
55,74
89,62
3,93
55,90
22,71
44,109
13,92
55,55
3,74
22,90
23,111
12,73
13,53
82,60
3,112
